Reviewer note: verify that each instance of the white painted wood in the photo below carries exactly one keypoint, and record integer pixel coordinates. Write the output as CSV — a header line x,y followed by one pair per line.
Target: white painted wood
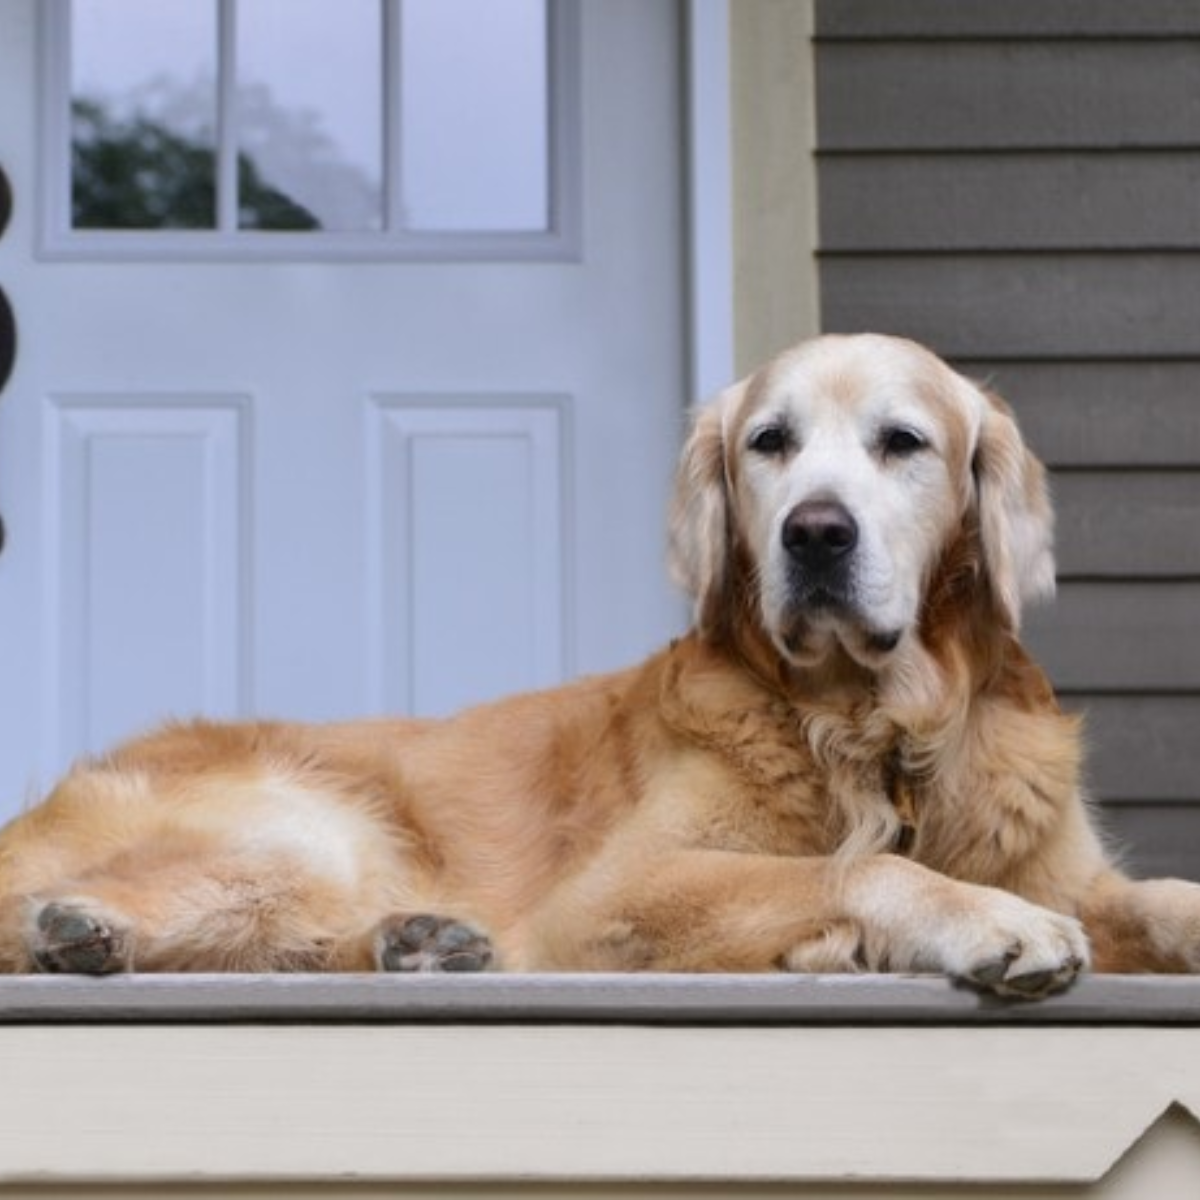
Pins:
x,y
1161,1166
146,505
774,174
312,346
825,1082
454,574
529,1103
710,168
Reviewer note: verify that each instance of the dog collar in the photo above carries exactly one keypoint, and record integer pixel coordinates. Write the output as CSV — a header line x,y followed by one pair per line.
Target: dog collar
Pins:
x,y
903,801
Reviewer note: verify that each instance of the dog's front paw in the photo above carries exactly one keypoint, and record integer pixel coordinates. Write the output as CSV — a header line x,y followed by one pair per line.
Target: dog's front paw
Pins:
x,y
1015,949
425,942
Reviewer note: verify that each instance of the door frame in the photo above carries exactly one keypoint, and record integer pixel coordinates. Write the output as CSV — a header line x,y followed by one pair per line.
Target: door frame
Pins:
x,y
751,186
708,188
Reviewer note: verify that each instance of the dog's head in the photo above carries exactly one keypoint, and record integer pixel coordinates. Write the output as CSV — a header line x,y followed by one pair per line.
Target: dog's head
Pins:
x,y
822,496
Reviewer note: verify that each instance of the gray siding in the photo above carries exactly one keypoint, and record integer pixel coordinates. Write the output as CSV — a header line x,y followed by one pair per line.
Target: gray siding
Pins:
x,y
1018,185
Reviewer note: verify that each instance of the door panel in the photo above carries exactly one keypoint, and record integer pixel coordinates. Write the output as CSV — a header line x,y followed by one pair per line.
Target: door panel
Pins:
x,y
456,576
165,577
324,487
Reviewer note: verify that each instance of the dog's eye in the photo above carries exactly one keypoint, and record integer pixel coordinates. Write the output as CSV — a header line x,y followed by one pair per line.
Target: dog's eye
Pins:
x,y
770,440
901,442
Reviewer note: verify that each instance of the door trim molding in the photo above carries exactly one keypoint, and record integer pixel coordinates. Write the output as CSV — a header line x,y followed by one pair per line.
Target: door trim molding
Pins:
x,y
773,177
709,182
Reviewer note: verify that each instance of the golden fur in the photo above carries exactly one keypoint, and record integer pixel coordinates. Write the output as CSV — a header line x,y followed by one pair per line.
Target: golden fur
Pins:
x,y
850,763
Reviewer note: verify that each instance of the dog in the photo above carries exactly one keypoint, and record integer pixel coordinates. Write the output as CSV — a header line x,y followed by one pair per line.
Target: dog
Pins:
x,y
849,763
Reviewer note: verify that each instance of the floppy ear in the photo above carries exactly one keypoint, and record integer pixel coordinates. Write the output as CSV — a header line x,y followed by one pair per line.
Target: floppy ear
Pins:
x,y
699,527
1016,523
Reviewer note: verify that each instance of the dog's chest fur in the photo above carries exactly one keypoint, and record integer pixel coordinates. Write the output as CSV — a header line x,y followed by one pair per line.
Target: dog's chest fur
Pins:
x,y
801,779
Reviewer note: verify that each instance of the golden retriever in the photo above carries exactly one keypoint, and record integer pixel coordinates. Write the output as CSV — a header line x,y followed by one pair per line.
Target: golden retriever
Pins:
x,y
849,763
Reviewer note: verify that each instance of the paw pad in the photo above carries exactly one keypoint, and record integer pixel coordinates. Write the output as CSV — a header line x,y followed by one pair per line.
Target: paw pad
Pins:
x,y
1001,976
70,940
426,942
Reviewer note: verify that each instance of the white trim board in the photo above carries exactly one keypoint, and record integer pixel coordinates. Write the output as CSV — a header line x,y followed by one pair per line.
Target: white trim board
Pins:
x,y
513,1081
544,1103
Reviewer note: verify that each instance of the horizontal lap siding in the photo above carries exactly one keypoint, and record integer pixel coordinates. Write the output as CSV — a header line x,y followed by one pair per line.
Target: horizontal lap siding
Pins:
x,y
1152,839
1120,636
1138,414
939,203
1024,305
993,95
1113,525
1018,185
1019,19
1140,745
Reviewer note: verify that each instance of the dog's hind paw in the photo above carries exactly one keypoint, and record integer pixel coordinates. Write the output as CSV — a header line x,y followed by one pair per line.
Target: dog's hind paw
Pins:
x,y
425,942
71,938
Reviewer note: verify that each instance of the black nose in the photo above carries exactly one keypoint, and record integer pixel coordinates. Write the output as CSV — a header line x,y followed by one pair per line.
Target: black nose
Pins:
x,y
818,533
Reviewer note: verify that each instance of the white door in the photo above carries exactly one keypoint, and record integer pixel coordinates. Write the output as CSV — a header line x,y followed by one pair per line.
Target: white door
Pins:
x,y
409,459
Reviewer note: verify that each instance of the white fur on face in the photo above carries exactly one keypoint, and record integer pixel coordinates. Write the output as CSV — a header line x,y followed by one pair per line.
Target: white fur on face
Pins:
x,y
881,429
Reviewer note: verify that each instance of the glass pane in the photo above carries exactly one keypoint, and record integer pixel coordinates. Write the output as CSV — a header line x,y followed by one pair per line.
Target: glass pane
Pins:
x,y
475,115
143,114
310,114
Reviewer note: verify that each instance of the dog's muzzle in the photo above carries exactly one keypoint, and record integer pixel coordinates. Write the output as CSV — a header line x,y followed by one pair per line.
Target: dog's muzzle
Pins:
x,y
819,537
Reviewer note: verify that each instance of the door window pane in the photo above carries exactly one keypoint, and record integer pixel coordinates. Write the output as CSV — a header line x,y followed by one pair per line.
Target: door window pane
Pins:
x,y
310,114
143,114
441,127
474,112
